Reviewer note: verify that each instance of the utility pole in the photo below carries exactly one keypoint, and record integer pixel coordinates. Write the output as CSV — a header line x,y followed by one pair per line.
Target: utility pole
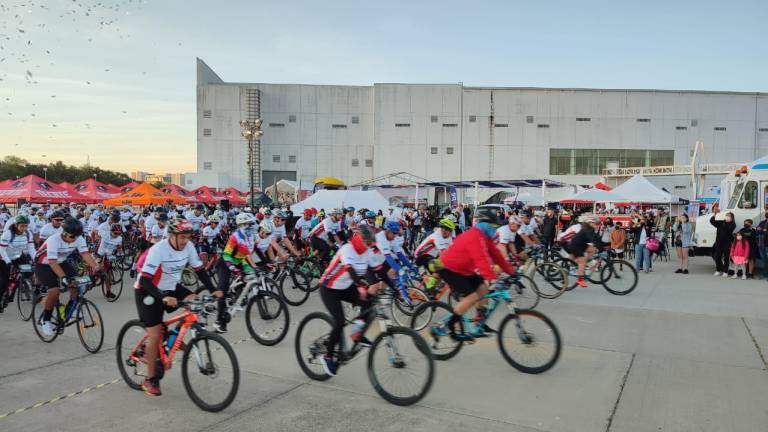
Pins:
x,y
251,131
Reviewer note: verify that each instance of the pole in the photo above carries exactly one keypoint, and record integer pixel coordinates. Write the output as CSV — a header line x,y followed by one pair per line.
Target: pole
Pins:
x,y
477,189
250,171
416,199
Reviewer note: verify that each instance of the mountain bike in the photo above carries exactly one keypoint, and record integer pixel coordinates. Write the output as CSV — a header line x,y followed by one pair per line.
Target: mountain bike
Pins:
x,y
528,340
617,276
200,371
396,353
298,292
21,289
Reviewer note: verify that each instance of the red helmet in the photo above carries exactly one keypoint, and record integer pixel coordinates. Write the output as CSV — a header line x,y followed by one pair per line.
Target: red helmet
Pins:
x,y
180,226
307,212
260,216
314,211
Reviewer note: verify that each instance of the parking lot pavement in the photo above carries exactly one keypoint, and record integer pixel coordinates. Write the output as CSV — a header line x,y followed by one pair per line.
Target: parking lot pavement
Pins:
x,y
680,353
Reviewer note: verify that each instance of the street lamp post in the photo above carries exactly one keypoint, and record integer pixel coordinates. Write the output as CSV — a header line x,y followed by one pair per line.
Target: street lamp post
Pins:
x,y
251,131
45,173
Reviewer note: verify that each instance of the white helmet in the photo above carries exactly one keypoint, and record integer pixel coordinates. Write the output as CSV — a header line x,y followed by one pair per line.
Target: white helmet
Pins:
x,y
179,207
214,219
245,218
265,228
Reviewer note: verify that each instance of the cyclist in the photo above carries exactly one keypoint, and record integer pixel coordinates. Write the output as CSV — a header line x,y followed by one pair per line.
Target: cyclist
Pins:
x,y
431,248
302,228
345,280
509,241
369,219
472,252
126,217
208,239
196,217
277,227
52,269
236,256
108,245
53,227
580,241
161,267
16,247
325,236
390,244
160,229
528,228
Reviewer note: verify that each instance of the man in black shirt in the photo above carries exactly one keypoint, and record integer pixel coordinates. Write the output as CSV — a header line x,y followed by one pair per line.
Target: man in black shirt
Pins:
x,y
548,228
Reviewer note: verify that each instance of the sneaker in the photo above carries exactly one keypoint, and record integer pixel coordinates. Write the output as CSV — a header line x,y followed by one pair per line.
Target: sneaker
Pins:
x,y
717,273
439,331
685,271
725,274
679,271
744,277
151,387
581,282
220,327
133,273
734,276
110,295
47,328
330,365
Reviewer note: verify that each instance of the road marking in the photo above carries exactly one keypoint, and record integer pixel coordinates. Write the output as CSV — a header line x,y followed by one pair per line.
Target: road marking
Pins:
x,y
58,398
621,392
754,341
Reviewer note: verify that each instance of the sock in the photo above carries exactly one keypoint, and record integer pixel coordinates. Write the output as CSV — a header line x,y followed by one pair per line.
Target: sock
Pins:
x,y
47,315
431,282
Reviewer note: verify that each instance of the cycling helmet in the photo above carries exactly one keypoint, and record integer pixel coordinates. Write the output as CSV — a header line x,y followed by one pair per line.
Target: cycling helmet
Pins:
x,y
58,214
308,212
180,226
589,218
392,227
321,214
200,207
452,218
247,209
515,220
370,214
214,219
336,211
162,217
267,212
281,214
447,224
21,220
245,218
265,228
349,209
179,207
367,233
72,227
488,215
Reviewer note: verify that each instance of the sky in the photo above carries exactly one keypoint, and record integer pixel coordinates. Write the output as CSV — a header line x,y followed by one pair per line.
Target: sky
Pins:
x,y
113,82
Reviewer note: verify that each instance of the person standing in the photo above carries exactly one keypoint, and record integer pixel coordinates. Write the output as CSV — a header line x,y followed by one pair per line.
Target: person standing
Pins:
x,y
548,228
723,238
683,230
750,235
762,244
642,231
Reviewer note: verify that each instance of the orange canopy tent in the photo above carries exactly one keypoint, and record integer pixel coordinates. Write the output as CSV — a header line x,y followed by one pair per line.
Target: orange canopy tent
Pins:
x,y
96,191
180,191
144,194
34,189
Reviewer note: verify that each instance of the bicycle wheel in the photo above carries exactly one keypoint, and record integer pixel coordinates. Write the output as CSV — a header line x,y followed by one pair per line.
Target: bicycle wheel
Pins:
x,y
436,333
311,344
531,344
551,280
90,327
266,317
402,311
25,299
619,277
129,352
301,278
37,320
525,293
400,366
125,261
571,269
116,288
594,271
295,294
116,273
215,385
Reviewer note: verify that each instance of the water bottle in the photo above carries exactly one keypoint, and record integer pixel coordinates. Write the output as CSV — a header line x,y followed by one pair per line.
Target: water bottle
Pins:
x,y
70,309
357,329
172,337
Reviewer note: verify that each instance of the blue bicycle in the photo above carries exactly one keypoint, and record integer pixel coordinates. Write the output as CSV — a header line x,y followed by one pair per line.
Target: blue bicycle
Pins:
x,y
528,339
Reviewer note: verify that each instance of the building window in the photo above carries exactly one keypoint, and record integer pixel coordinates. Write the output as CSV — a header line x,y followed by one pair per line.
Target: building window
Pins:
x,y
291,158
593,161
543,126
339,126
529,119
449,150
206,132
433,119
472,119
583,119
207,114
208,165
749,198
277,125
763,129
369,163
355,162
433,150
719,128
292,118
450,125
681,128
402,125
355,120
276,158
643,120
694,123
501,125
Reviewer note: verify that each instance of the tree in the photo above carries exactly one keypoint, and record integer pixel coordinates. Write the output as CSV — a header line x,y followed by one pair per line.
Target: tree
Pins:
x,y
12,167
158,184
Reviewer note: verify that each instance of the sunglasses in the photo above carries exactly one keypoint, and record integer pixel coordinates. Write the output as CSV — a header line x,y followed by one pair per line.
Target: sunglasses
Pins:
x,y
58,220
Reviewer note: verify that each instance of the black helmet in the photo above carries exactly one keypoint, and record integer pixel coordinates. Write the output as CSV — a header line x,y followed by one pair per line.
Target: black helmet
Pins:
x,y
162,217
114,218
200,207
72,227
489,215
58,214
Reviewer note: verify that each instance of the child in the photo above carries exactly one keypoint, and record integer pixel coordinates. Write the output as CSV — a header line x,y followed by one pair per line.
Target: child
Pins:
x,y
740,255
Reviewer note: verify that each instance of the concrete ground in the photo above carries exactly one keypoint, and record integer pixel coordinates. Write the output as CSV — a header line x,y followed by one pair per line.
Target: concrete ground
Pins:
x,y
680,353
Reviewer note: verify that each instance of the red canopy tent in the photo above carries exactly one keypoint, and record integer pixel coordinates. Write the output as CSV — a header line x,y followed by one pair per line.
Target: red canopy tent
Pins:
x,y
34,189
234,196
205,195
96,191
180,191
128,187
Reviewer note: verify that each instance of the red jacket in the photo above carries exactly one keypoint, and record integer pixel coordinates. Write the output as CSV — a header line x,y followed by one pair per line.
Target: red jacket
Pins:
x,y
473,252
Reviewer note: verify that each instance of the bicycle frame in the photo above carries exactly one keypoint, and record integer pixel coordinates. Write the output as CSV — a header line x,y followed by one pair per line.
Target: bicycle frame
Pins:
x,y
188,321
494,298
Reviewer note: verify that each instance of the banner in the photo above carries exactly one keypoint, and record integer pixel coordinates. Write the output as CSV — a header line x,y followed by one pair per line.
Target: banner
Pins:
x,y
454,196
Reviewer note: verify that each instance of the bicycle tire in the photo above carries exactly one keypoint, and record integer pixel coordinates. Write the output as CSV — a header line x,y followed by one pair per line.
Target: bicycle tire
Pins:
x,y
88,315
203,336
570,266
554,280
267,315
432,339
422,347
525,292
517,364
595,276
318,347
37,317
121,354
611,269
25,299
116,273
399,306
295,295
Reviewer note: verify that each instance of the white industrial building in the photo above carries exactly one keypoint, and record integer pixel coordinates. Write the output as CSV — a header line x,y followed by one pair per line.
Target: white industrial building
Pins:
x,y
452,132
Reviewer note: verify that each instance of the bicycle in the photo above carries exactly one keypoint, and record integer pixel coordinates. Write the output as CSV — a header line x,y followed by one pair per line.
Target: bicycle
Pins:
x,y
545,273
79,311
388,348
616,275
297,294
21,286
520,332
197,355
111,271
266,314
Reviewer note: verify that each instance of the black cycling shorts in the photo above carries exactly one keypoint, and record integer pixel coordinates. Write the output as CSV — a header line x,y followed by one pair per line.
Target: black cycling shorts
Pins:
x,y
460,284
48,278
424,260
153,315
578,250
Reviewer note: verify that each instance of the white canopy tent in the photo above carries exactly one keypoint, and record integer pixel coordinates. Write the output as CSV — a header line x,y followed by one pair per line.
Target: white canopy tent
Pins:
x,y
329,199
639,190
598,195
